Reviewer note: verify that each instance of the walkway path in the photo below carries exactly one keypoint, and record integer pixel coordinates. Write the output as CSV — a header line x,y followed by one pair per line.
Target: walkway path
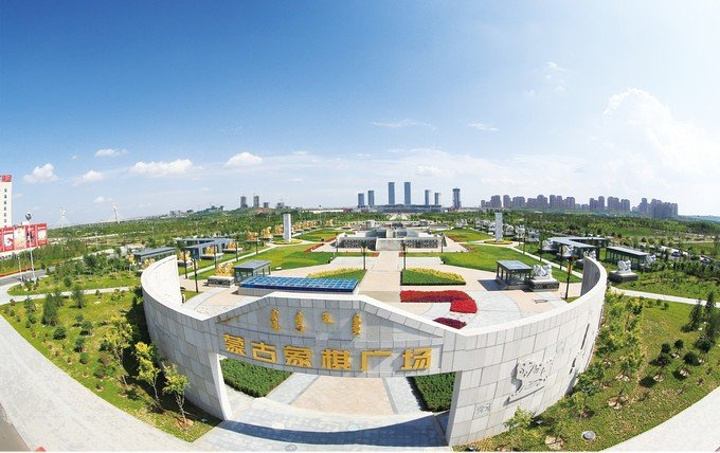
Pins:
x,y
681,300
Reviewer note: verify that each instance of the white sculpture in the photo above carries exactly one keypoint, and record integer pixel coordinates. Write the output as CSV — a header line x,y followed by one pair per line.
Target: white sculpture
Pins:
x,y
546,245
624,266
542,271
569,251
649,260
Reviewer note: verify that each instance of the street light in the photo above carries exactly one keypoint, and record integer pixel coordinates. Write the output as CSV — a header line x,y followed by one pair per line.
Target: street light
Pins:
x,y
363,247
442,242
29,237
571,259
404,247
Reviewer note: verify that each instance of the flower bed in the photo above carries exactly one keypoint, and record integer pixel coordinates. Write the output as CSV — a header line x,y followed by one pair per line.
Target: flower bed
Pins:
x,y
454,323
460,302
422,276
316,246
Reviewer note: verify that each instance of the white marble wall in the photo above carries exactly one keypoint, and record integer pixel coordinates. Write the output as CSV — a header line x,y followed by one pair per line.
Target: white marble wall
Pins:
x,y
529,363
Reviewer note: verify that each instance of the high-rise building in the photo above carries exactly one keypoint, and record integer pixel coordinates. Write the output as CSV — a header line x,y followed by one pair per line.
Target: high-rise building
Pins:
x,y
361,200
256,201
495,201
437,199
243,202
427,197
6,219
507,201
266,204
371,198
456,199
408,196
391,193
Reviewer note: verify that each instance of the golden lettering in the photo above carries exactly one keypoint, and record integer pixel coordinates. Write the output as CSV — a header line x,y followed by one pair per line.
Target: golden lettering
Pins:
x,y
299,322
365,357
264,352
234,344
275,319
297,356
326,318
333,359
417,359
356,324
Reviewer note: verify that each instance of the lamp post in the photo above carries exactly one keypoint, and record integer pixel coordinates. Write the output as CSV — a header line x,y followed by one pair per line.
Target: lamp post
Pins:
x,y
404,247
197,290
29,237
442,242
363,247
571,260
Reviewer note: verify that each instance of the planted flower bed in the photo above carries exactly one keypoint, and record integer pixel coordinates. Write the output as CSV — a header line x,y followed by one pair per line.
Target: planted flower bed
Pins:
x,y
421,276
454,323
460,301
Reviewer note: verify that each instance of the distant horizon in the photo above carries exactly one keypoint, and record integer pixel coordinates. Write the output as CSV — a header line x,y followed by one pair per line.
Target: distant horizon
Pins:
x,y
154,106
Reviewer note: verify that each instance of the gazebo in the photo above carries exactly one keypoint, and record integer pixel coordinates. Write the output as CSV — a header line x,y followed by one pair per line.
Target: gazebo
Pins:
x,y
250,269
636,257
513,274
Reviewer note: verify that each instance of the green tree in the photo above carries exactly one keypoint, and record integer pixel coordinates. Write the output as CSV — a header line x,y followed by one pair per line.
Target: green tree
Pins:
x,y
696,316
519,429
148,371
712,330
710,305
50,311
630,365
117,339
176,384
78,296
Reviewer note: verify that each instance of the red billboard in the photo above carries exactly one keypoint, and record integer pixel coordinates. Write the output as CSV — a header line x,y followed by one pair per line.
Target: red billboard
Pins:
x,y
19,238
5,178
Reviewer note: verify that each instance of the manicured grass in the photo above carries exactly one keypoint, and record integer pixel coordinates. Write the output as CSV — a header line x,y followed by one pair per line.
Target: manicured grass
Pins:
x,y
251,379
111,280
672,282
99,310
320,235
466,235
649,403
485,257
346,273
429,277
435,390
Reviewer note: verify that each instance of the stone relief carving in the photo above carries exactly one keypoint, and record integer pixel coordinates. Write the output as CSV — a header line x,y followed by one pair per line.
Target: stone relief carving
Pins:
x,y
482,409
532,376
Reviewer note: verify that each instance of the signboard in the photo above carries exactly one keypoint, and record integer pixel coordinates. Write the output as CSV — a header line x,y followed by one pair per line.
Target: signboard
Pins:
x,y
23,237
5,178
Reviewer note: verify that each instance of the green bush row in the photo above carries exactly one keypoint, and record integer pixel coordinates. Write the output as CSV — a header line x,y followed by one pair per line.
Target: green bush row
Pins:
x,y
251,379
436,390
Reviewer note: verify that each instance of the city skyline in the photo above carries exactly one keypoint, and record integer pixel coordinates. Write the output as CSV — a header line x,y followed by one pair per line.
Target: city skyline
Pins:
x,y
159,107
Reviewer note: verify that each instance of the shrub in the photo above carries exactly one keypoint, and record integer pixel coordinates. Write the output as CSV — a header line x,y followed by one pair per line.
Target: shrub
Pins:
x,y
436,390
101,371
86,328
79,344
421,276
32,318
84,358
679,344
59,333
691,358
704,344
463,306
454,323
663,360
251,379
665,348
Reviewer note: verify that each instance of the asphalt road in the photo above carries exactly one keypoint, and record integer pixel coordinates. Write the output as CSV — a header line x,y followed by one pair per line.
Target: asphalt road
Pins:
x,y
14,278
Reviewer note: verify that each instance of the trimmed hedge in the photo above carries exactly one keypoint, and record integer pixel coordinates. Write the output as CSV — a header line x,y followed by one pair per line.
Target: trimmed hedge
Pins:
x,y
419,276
436,390
251,379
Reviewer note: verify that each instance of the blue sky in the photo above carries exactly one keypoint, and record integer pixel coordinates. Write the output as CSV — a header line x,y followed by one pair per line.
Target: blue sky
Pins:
x,y
153,106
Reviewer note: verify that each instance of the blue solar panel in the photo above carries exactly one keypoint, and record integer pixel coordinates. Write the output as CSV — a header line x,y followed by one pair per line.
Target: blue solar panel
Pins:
x,y
301,284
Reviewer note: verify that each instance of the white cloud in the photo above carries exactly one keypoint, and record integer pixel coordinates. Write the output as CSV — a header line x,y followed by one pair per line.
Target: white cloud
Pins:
x,y
75,157
46,173
91,176
160,169
483,127
243,159
101,200
110,152
403,123
554,67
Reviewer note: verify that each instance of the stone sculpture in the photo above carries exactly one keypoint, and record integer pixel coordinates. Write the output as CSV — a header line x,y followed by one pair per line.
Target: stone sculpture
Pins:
x,y
624,265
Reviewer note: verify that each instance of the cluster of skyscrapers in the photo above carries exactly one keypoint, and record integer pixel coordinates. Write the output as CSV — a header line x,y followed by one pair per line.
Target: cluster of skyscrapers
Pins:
x,y
428,205
655,209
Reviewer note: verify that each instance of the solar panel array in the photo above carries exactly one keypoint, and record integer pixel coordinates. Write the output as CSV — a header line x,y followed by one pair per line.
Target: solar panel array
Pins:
x,y
329,285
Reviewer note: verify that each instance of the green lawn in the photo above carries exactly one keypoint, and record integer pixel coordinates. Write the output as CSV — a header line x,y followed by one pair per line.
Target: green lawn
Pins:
x,y
289,257
62,353
466,235
649,403
223,259
112,280
429,277
672,282
485,257
435,390
320,235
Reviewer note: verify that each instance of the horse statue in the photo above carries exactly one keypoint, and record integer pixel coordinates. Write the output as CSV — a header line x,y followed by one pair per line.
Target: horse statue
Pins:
x,y
624,265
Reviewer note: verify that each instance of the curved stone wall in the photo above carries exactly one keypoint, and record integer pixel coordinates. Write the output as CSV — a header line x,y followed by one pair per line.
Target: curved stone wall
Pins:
x,y
530,363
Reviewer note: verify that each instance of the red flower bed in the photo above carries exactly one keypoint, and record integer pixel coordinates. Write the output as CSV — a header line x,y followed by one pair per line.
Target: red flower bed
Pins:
x,y
454,323
460,302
